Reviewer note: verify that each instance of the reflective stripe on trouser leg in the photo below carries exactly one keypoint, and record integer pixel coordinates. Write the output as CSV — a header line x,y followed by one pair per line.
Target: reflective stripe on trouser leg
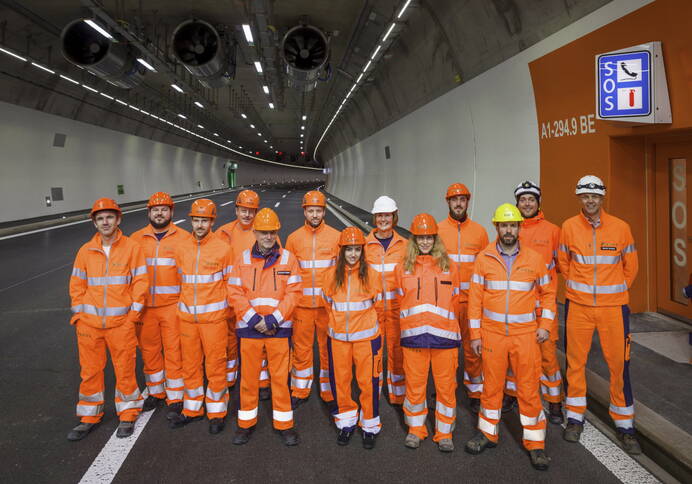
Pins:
x,y
416,367
444,364
579,328
396,382
193,373
278,360
303,341
214,344
148,332
510,383
264,374
524,355
91,344
495,362
122,345
473,376
251,351
232,353
551,377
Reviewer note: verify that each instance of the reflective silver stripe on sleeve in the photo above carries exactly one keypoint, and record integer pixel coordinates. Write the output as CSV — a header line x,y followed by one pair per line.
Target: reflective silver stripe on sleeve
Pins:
x,y
542,281
316,264
462,257
234,281
284,257
550,266
432,330
599,259
475,323
202,278
246,257
277,314
248,316
563,248
588,288
629,249
511,318
112,311
164,289
478,279
264,301
76,272
464,286
427,308
138,271
227,270
548,314
294,279
102,281
160,261
137,306
202,308
77,309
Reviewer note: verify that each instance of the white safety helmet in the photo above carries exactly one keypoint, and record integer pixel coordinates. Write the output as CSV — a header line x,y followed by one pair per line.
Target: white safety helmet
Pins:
x,y
527,187
384,204
590,184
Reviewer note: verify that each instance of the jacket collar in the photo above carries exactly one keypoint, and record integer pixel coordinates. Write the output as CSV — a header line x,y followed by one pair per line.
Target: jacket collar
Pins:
x,y
95,242
172,228
456,222
603,218
313,230
353,268
538,218
270,257
396,238
205,240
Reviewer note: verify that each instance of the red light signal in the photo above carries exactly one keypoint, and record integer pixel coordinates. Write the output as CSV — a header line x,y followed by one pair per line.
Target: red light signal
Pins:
x,y
302,153
280,153
257,153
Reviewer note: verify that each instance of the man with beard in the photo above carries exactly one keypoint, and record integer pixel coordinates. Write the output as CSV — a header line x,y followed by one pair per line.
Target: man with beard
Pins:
x,y
463,238
158,332
506,326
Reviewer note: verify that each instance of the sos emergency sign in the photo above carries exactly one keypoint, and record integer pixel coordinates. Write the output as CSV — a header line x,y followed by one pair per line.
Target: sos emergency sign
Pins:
x,y
631,85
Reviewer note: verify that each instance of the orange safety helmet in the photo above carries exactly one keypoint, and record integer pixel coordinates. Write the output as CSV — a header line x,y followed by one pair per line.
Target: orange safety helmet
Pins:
x,y
314,198
247,199
203,208
105,204
457,189
160,198
351,236
423,224
266,220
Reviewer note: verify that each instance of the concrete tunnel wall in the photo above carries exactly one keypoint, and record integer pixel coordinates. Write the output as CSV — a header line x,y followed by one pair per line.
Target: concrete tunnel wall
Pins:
x,y
483,133
95,160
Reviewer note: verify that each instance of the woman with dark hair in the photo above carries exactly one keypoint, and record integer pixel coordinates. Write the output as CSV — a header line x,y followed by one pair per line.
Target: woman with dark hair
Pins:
x,y
352,291
428,286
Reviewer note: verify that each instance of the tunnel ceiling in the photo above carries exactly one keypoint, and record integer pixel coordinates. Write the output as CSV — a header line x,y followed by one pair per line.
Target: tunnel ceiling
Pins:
x,y
433,46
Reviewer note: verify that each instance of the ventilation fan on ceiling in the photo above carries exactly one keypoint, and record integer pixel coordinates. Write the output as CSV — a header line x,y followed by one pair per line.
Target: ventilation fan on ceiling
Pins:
x,y
305,52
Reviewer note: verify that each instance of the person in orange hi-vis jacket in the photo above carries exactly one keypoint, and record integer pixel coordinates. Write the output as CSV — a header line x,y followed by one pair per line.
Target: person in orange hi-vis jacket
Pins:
x,y
264,289
315,245
108,289
543,237
158,332
464,239
353,293
384,250
428,284
598,258
506,326
204,263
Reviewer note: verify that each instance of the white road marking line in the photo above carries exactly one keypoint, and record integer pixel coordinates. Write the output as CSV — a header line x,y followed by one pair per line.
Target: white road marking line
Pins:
x,y
179,221
227,203
340,217
263,191
107,464
277,204
35,277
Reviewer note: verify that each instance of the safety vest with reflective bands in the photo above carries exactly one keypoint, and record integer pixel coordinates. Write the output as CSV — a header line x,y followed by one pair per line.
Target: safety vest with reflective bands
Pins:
x,y
385,263
463,241
108,290
354,310
316,250
255,289
599,263
505,302
204,266
164,279
429,299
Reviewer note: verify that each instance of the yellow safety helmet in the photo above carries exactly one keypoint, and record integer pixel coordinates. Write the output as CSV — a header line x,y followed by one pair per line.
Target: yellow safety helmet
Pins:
x,y
507,213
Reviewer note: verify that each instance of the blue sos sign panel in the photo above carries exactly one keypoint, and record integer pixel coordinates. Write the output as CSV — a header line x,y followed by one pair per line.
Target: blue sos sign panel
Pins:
x,y
624,85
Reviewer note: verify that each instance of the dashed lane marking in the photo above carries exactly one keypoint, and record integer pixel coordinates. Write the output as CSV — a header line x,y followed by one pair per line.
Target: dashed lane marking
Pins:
x,y
277,204
227,203
284,195
179,221
36,276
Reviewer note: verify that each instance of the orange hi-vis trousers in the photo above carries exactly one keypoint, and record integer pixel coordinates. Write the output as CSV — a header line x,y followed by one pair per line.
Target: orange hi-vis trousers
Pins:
x,y
473,375
444,363
522,353
551,376
232,353
366,356
612,324
251,355
396,380
122,345
204,344
158,334
307,321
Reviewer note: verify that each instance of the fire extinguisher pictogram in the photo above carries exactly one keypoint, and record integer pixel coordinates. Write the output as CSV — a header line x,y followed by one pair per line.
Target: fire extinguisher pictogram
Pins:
x,y
631,98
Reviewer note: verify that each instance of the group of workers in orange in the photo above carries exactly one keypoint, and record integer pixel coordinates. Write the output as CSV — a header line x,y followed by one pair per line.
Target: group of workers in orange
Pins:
x,y
234,301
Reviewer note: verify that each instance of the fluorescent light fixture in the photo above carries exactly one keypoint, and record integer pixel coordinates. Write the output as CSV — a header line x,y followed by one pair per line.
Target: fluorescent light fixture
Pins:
x,y
98,28
146,64
106,95
252,126
42,68
271,105
265,89
89,87
376,51
359,78
182,116
265,140
401,12
216,134
302,128
304,117
240,147
228,140
242,115
366,66
199,105
200,126
121,102
386,36
13,54
258,67
177,88
259,134
302,135
248,34
68,79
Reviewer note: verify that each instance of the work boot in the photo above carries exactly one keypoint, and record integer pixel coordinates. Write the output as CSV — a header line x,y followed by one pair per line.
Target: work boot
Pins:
x,y
508,403
265,394
297,402
555,413
216,425
368,440
539,460
151,402
629,443
573,432
125,429
181,420
478,444
344,437
412,441
289,437
445,445
81,431
475,404
242,436
174,409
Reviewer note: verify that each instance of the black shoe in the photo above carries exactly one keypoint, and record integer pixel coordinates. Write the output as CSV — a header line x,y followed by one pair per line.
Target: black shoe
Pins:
x,y
508,403
174,409
573,432
368,440
344,437
181,420
289,437
242,436
555,413
125,429
265,393
475,404
216,425
478,444
297,402
629,443
539,460
151,402
81,431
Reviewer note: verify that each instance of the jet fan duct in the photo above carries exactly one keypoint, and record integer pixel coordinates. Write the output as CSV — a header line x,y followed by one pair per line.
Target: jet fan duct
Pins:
x,y
305,51
204,52
113,61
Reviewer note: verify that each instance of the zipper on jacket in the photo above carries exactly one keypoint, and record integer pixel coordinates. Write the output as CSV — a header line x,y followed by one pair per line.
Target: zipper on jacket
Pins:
x,y
194,284
384,281
313,269
254,276
348,299
418,291
459,241
594,264
156,260
506,293
274,269
105,290
435,290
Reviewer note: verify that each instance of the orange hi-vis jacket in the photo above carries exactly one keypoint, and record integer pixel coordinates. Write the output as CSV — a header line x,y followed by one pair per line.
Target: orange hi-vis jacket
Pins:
x,y
463,241
354,310
316,250
544,237
239,237
385,263
164,279
505,302
429,298
260,287
108,290
599,263
204,266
